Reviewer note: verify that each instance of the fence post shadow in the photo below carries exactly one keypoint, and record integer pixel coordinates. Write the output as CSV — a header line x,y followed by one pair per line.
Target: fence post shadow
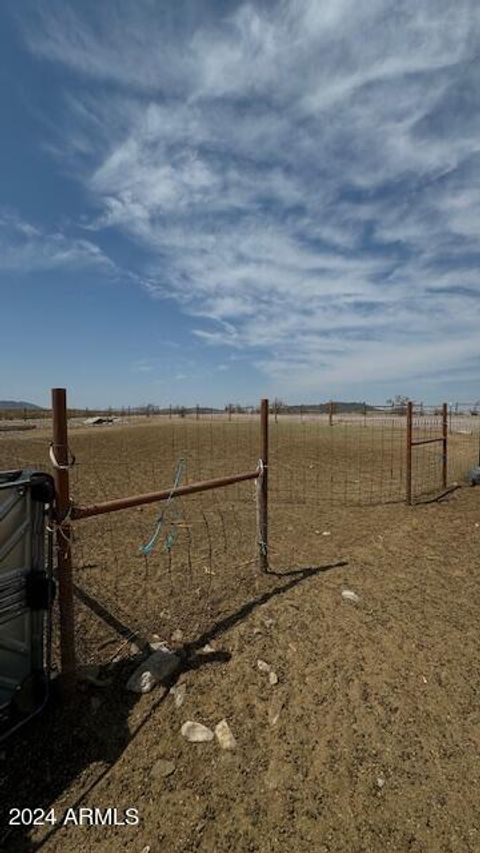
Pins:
x,y
295,576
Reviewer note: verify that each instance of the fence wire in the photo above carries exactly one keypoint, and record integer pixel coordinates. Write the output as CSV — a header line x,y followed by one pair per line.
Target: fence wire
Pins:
x,y
319,465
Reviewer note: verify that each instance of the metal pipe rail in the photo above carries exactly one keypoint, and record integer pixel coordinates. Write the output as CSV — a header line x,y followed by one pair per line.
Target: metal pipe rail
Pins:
x,y
78,512
66,512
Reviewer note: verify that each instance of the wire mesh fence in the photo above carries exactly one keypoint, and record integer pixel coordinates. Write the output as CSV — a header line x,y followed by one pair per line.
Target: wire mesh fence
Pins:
x,y
181,584
318,461
352,461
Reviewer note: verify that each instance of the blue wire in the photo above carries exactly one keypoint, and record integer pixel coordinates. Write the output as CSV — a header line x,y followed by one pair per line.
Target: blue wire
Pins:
x,y
169,541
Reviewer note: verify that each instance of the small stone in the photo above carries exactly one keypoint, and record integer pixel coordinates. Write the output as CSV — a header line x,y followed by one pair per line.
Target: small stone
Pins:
x,y
196,732
224,735
162,768
134,649
179,693
380,782
275,708
348,595
156,644
208,649
257,632
177,636
326,533
157,667
265,667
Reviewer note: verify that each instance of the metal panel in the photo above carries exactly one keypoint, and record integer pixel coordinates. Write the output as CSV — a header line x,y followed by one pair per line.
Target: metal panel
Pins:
x,y
22,625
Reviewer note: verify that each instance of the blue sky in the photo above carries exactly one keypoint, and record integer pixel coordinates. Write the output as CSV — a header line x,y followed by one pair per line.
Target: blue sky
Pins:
x,y
212,202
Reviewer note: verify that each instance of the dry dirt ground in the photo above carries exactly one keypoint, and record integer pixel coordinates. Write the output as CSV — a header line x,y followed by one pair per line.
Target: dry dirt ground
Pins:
x,y
369,741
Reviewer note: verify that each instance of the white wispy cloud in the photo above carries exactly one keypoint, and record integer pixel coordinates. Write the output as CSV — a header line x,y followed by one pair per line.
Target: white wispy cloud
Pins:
x,y
25,247
301,176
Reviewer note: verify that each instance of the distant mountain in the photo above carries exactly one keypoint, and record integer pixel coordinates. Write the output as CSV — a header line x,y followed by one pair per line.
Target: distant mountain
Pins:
x,y
17,404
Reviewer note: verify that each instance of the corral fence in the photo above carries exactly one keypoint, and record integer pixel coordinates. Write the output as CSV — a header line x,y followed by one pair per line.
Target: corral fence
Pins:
x,y
68,512
302,462
422,429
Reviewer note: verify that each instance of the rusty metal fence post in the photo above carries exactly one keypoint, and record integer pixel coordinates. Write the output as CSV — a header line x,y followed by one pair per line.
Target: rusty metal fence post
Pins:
x,y
60,461
408,467
444,444
262,490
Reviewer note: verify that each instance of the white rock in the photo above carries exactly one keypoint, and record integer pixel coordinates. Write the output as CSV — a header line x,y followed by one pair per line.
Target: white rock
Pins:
x,y
178,692
348,595
326,533
224,735
196,732
141,682
265,667
157,645
157,667
380,782
275,708
177,636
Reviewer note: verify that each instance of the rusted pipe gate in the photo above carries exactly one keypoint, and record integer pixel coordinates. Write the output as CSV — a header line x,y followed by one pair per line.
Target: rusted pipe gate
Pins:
x,y
411,443
66,511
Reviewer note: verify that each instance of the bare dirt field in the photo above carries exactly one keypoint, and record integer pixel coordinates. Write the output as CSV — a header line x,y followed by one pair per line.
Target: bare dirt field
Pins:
x,y
369,741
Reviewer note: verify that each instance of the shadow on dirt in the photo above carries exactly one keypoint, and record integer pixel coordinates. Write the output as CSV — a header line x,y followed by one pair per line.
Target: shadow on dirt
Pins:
x,y
87,735
296,576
